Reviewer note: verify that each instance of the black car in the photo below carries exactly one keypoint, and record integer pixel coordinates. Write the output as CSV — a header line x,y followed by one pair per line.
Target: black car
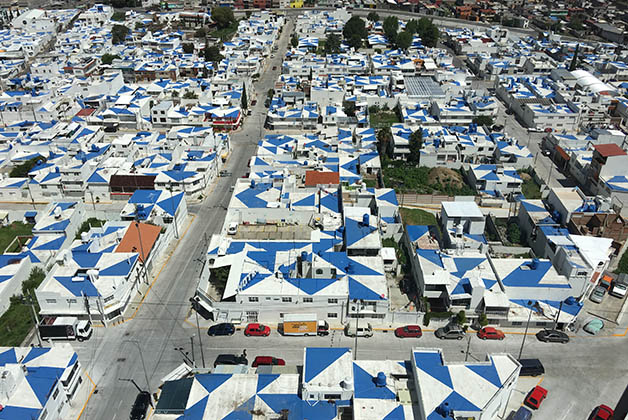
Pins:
x,y
138,412
531,367
221,329
552,336
230,359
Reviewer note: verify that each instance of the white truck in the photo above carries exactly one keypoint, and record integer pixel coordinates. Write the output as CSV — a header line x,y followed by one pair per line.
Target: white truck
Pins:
x,y
64,328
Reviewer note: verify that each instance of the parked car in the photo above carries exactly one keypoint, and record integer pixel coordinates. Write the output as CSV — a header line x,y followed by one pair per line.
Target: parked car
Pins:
x,y
548,130
255,329
594,326
552,336
536,397
602,412
274,67
230,359
490,333
497,127
597,295
363,330
232,229
522,414
531,367
224,173
450,331
268,361
225,328
618,290
409,331
509,111
142,401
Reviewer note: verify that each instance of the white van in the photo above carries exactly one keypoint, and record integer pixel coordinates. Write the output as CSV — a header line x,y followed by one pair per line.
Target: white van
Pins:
x,y
364,330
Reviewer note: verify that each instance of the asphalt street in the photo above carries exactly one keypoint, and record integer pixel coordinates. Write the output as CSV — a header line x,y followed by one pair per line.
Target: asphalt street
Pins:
x,y
143,348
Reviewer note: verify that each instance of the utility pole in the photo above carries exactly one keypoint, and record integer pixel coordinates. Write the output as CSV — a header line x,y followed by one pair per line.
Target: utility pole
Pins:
x,y
200,342
526,332
29,301
174,212
139,349
192,341
142,256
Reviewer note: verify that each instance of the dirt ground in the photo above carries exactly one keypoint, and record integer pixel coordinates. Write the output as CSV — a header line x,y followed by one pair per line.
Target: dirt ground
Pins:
x,y
445,176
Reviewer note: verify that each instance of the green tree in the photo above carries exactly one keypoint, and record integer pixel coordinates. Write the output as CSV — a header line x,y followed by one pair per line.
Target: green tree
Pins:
x,y
404,40
212,54
294,40
200,33
190,95
118,34
483,320
332,44
412,26
355,27
34,280
483,120
270,93
373,17
415,144
245,102
391,26
108,58
428,32
223,16
188,48
384,137
355,42
118,16
513,233
88,224
461,318
21,171
349,108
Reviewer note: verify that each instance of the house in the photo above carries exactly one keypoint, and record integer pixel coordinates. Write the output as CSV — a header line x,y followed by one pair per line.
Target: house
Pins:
x,y
495,180
41,382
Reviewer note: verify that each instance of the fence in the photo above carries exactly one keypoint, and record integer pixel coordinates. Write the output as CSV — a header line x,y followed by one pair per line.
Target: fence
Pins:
x,y
410,198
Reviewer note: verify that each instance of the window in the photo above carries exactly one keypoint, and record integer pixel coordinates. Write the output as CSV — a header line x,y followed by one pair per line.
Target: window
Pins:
x,y
286,299
332,315
253,299
319,271
71,300
331,396
51,300
332,300
55,394
516,324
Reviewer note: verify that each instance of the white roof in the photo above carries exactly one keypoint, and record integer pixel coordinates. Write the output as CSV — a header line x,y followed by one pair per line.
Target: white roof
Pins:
x,y
461,209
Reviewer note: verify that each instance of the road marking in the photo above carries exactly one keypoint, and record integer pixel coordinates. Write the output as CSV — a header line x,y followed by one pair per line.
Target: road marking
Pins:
x,y
89,397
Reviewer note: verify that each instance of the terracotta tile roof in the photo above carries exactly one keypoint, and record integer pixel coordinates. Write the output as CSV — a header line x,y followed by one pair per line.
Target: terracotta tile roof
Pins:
x,y
610,149
314,178
131,240
85,112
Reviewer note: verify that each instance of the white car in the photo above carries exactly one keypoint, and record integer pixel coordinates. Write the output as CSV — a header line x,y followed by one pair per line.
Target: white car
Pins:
x,y
233,228
618,290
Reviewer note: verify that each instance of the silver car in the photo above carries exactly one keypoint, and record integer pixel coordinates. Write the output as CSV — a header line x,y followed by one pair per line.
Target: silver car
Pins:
x,y
597,295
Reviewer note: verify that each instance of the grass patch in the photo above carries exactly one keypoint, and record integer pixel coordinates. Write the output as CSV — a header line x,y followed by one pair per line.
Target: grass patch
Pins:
x,y
17,321
530,189
88,224
8,233
417,217
225,34
370,183
383,119
622,266
421,180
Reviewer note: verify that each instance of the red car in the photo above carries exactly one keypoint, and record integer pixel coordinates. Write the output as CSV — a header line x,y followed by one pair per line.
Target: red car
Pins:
x,y
257,330
268,361
490,333
408,331
548,130
602,412
536,397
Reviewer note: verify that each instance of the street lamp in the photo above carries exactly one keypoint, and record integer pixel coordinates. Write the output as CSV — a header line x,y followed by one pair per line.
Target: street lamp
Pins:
x,y
527,326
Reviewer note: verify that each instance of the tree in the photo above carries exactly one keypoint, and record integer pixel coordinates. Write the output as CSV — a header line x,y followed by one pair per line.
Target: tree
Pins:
x,y
355,27
118,34
373,17
188,48
404,40
513,233
574,61
384,137
21,171
486,120
118,16
212,54
416,142
270,93
391,25
428,32
108,58
245,102
355,42
190,95
349,108
412,26
223,16
461,318
294,40
332,44
200,33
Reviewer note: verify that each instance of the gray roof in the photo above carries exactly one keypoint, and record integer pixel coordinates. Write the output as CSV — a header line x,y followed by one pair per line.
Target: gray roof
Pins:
x,y
424,87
